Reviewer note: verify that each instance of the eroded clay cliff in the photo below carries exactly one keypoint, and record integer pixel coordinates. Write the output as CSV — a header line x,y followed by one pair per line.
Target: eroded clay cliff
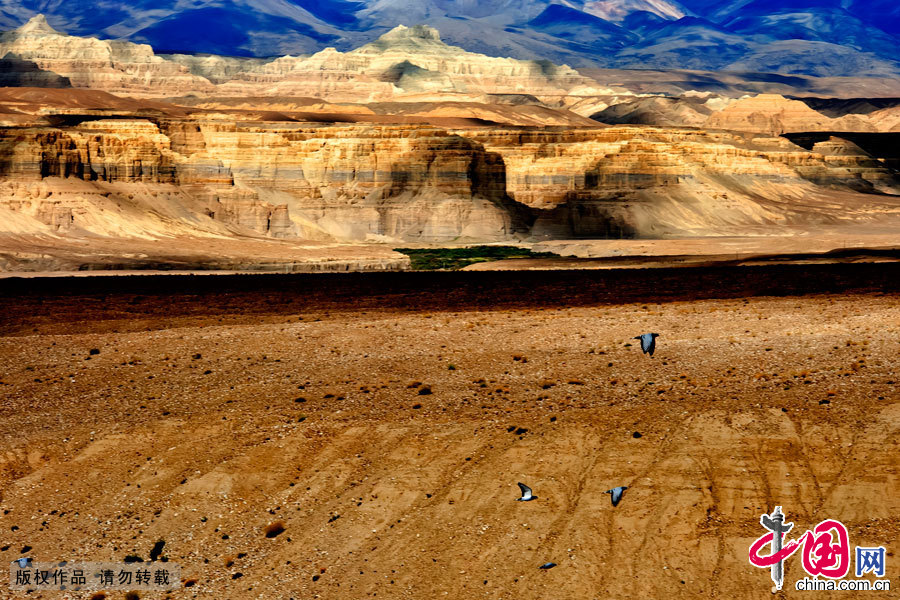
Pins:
x,y
645,181
108,65
137,177
405,61
355,182
774,114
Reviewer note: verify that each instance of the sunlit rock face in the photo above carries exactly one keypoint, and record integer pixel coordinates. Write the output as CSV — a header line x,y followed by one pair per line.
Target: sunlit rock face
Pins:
x,y
358,182
406,60
112,66
774,114
298,181
645,181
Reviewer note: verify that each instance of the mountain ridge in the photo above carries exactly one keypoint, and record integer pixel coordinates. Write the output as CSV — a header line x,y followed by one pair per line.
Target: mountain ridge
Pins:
x,y
403,61
862,34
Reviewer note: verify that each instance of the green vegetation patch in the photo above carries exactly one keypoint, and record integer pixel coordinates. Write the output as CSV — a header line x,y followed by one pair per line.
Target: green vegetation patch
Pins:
x,y
432,259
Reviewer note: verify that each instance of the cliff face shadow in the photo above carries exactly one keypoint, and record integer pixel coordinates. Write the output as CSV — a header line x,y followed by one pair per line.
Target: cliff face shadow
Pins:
x,y
584,219
884,147
17,72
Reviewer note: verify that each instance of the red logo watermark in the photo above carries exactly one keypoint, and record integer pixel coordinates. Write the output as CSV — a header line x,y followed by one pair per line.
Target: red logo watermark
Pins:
x,y
825,550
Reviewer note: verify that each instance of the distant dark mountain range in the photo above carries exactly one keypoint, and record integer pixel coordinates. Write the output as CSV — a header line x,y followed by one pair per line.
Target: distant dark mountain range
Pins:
x,y
801,37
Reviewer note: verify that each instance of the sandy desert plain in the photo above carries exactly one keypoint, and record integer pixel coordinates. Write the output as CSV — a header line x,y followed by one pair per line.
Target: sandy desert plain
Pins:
x,y
384,419
359,432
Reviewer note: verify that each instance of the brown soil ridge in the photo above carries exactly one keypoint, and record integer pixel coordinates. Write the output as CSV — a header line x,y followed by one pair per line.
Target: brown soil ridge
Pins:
x,y
104,303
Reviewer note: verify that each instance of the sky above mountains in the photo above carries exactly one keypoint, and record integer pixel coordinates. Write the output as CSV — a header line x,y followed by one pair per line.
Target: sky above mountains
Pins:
x,y
809,37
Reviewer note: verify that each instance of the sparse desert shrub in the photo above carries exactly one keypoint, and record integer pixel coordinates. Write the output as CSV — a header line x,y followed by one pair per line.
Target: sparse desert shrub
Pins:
x,y
430,259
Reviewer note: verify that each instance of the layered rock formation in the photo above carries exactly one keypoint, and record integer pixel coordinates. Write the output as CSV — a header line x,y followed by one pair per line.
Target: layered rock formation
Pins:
x,y
774,114
406,60
215,68
408,111
121,177
771,114
625,181
886,119
883,113
214,176
407,138
15,72
657,110
112,66
408,64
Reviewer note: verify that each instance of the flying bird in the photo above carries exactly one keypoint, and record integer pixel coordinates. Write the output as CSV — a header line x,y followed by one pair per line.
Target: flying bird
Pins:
x,y
23,562
648,342
616,494
526,493
548,565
